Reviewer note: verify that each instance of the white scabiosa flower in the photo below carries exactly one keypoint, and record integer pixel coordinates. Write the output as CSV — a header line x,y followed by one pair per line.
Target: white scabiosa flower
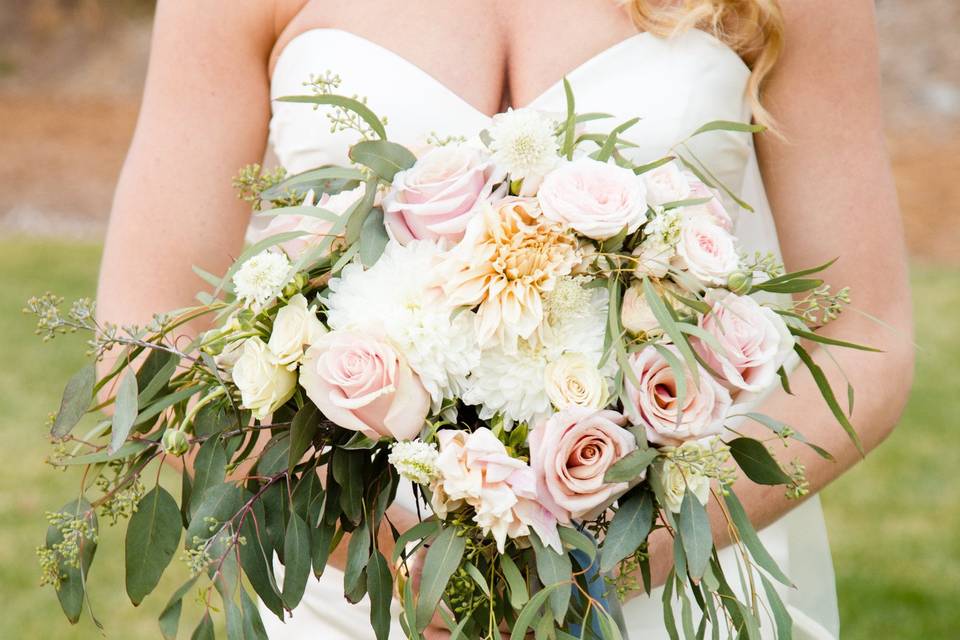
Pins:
x,y
398,298
415,460
262,277
524,143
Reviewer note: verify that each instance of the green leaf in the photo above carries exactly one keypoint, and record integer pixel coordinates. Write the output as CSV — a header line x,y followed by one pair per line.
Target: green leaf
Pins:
x,y
380,588
75,401
204,630
644,168
756,461
128,450
251,618
611,142
256,558
790,286
816,337
214,418
530,610
152,538
695,534
302,430
220,502
276,455
209,469
727,125
631,466
781,616
827,392
442,560
359,441
358,554
351,104
519,595
577,540
570,125
478,578
418,531
328,179
373,238
164,403
72,591
384,158
748,535
296,556
357,214
154,373
628,529
803,272
170,616
553,568
780,427
666,321
347,471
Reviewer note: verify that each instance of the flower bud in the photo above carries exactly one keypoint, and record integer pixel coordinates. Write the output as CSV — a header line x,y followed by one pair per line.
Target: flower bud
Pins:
x,y
740,282
175,442
294,286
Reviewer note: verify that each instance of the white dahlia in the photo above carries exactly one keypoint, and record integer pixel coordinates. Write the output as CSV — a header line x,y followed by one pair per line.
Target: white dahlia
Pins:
x,y
398,298
524,143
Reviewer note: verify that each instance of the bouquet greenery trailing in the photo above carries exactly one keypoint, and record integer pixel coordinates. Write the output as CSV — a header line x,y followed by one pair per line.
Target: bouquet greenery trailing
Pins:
x,y
552,344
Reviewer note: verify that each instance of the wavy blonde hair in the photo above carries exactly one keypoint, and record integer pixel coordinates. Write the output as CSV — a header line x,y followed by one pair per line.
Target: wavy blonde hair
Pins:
x,y
752,28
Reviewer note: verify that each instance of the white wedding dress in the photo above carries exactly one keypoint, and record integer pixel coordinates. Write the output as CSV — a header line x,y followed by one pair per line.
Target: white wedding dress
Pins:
x,y
674,85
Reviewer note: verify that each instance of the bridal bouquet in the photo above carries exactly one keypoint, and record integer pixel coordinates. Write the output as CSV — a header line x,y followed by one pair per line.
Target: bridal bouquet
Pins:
x,y
554,345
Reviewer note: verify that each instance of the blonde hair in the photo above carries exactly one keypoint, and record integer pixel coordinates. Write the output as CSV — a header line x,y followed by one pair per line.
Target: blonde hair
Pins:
x,y
752,28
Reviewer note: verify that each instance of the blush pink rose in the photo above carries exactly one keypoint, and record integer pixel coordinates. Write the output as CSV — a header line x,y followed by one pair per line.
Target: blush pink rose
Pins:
x,y
570,452
707,250
315,229
713,209
755,341
595,199
666,183
363,384
434,199
656,406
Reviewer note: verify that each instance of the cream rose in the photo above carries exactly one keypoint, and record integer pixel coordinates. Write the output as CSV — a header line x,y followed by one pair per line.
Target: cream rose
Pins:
x,y
363,384
434,199
666,183
295,327
570,453
677,479
754,338
656,404
596,199
264,383
707,250
635,313
572,379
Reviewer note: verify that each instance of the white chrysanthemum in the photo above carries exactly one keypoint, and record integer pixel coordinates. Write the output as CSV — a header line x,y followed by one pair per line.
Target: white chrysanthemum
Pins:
x,y
524,143
262,277
398,298
415,460
513,382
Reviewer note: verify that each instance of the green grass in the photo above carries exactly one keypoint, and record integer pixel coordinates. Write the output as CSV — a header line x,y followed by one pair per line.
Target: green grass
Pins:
x,y
894,520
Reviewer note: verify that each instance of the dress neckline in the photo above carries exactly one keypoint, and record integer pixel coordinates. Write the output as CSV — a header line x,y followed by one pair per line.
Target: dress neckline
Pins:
x,y
583,67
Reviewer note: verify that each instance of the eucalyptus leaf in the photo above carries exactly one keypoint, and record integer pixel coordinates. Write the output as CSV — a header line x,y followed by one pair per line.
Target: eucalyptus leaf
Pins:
x,y
302,429
251,618
151,542
553,568
384,158
757,462
727,125
373,238
827,392
441,562
380,588
75,401
296,554
631,466
155,373
628,529
204,630
169,620
72,591
351,104
748,536
209,469
328,179
358,554
529,612
519,595
695,534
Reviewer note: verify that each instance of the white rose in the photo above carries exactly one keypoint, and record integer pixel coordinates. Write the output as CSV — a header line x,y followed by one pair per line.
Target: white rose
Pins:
x,y
666,184
635,314
594,198
295,327
708,251
264,383
678,479
572,379
653,258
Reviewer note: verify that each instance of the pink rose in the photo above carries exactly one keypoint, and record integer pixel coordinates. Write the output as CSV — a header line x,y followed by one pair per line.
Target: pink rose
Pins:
x,y
708,251
570,452
476,469
596,199
317,229
755,341
656,405
435,198
666,184
713,209
363,384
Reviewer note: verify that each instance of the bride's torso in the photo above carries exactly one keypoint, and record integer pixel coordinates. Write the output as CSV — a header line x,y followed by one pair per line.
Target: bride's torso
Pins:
x,y
674,85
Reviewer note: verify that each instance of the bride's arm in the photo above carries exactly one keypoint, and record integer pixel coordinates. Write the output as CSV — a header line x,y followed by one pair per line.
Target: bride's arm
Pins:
x,y
832,193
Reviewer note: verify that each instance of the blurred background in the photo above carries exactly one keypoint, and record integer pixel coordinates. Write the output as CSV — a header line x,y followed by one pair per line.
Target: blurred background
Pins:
x,y
71,73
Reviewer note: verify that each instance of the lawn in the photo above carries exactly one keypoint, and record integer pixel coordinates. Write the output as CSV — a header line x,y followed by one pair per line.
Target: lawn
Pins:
x,y
894,520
